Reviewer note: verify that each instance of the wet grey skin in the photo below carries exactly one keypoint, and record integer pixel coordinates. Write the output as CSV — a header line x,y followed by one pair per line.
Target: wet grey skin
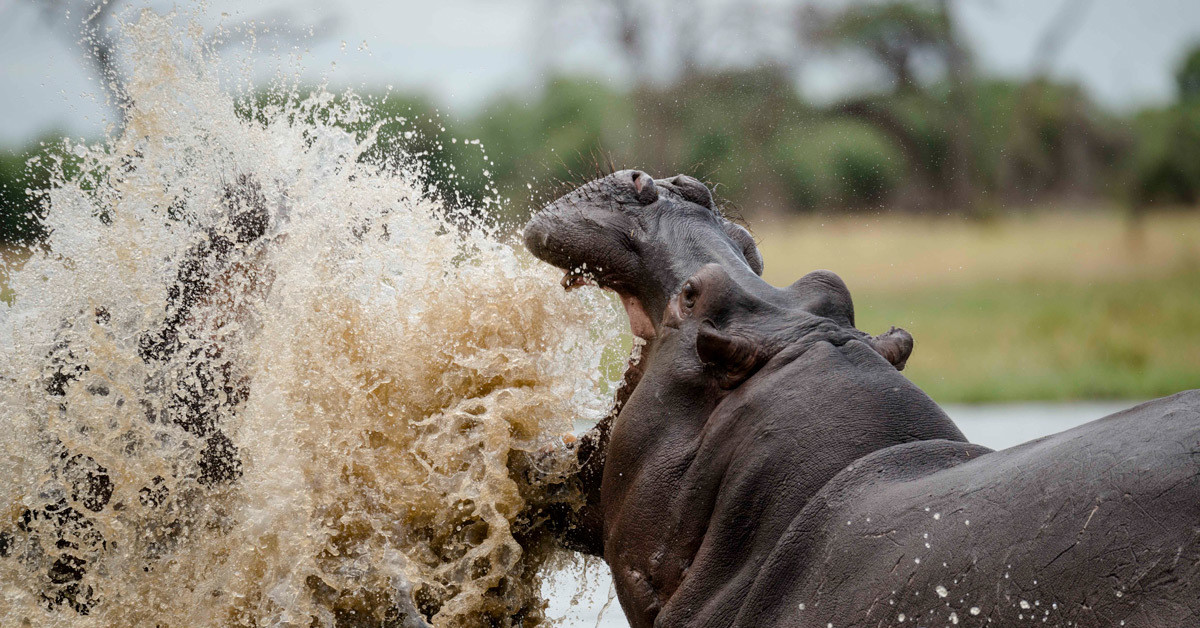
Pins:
x,y
768,465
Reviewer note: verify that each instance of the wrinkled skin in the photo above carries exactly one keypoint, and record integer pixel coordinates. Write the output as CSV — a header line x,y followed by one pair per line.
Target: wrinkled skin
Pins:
x,y
768,465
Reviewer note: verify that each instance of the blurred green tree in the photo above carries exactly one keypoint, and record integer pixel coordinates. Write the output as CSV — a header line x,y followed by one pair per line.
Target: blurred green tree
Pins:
x,y
22,186
902,37
894,34
1188,75
1165,163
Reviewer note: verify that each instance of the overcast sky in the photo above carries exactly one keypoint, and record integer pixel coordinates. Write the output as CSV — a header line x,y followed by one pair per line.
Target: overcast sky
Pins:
x,y
462,52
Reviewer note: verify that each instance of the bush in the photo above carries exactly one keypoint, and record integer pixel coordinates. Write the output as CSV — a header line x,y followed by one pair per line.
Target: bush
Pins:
x,y
20,208
838,162
1166,160
552,137
1188,75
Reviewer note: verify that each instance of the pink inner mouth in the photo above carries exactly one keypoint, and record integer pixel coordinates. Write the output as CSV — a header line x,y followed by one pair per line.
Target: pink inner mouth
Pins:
x,y
639,321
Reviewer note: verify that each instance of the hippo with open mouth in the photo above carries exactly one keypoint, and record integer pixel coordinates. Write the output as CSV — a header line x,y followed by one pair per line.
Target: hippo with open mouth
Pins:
x,y
768,465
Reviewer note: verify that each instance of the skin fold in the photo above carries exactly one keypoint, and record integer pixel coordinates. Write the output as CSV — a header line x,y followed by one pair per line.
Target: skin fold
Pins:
x,y
767,464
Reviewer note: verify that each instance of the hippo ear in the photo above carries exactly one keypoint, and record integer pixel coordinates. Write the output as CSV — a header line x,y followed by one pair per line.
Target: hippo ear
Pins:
x,y
825,294
895,345
693,190
731,358
742,238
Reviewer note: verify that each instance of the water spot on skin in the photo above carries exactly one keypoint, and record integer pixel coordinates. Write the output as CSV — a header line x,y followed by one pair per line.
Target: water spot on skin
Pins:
x,y
954,618
942,591
974,610
1024,604
900,618
802,606
937,515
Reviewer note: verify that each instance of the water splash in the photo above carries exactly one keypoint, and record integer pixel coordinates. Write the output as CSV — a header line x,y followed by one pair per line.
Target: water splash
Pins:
x,y
256,379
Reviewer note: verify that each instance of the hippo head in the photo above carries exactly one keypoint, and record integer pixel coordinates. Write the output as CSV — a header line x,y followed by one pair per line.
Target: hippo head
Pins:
x,y
659,243
641,238
691,283
740,325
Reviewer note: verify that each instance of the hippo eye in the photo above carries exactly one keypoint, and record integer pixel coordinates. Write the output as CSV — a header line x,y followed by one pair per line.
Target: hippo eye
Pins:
x,y
688,295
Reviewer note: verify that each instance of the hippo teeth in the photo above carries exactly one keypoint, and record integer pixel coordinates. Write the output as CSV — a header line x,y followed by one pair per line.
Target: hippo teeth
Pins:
x,y
574,279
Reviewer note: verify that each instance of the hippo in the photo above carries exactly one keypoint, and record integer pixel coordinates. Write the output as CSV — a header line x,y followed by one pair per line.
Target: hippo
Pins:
x,y
767,464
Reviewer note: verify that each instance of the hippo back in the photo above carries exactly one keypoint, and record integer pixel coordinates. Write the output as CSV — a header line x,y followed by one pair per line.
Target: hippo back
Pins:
x,y
1098,525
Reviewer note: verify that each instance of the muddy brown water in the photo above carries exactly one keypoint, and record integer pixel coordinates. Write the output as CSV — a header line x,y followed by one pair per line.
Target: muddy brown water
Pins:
x,y
256,380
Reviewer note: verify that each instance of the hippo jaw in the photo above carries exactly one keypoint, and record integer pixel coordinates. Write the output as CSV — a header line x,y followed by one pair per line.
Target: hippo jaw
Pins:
x,y
640,238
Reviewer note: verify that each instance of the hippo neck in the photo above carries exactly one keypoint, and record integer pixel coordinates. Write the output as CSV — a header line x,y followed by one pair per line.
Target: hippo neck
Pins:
x,y
649,444
697,467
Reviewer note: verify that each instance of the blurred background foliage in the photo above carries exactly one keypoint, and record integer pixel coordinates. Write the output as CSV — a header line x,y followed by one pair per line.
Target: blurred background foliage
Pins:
x,y
934,142
935,137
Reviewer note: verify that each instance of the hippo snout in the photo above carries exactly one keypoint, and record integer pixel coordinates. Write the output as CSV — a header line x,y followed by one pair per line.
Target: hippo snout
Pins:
x,y
537,234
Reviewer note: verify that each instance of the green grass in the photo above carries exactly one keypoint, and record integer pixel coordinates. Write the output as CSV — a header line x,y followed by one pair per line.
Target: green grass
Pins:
x,y
1029,339
1049,307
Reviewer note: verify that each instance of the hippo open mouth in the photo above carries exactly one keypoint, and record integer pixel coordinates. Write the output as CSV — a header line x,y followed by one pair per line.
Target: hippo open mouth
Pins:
x,y
639,237
640,324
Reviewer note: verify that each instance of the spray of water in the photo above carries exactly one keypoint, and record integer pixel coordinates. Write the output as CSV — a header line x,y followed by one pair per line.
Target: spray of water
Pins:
x,y
255,379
